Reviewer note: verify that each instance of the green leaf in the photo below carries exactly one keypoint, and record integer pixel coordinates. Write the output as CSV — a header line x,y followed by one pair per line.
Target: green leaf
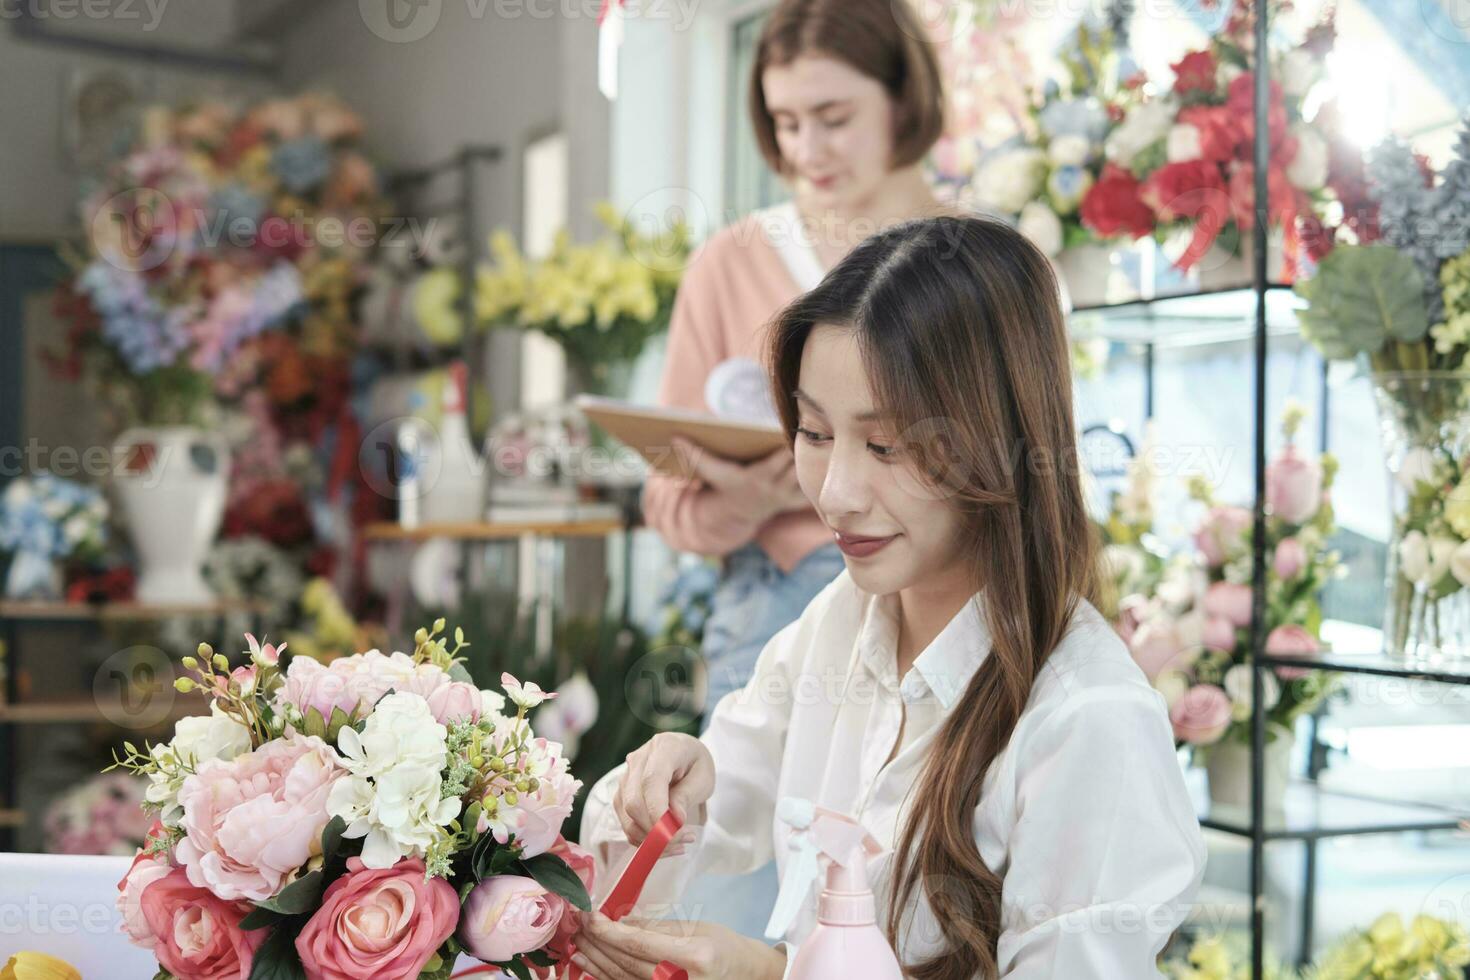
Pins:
x,y
332,837
302,895
516,967
553,874
276,959
504,858
339,720
1363,297
313,723
260,918
457,672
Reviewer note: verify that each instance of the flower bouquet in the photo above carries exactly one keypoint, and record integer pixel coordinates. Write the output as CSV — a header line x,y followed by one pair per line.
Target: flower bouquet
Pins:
x,y
1192,148
45,519
1192,637
373,817
104,815
1400,302
601,302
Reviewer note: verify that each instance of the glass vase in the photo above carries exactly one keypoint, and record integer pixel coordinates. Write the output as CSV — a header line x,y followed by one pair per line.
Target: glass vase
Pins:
x,y
1424,422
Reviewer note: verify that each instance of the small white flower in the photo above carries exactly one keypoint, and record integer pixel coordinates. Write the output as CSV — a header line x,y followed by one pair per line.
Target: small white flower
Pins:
x,y
1041,224
1008,179
1417,465
1237,684
1308,169
1070,150
1183,144
1140,129
525,696
1414,556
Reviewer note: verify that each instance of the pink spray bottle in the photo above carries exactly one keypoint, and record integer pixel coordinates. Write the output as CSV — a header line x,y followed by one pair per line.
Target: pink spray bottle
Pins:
x,y
847,942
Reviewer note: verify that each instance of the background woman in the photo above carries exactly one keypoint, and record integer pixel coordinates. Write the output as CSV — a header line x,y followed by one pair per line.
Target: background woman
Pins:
x,y
954,689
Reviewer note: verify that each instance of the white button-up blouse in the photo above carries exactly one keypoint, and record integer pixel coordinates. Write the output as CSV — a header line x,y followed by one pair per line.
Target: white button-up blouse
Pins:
x,y
1084,814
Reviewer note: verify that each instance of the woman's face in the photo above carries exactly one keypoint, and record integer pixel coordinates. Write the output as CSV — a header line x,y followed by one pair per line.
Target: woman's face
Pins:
x,y
895,531
834,126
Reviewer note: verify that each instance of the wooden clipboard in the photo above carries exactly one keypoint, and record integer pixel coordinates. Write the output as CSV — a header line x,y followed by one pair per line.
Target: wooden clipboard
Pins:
x,y
649,430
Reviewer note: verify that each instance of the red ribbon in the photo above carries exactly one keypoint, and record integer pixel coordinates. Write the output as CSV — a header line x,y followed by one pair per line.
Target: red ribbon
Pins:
x,y
625,895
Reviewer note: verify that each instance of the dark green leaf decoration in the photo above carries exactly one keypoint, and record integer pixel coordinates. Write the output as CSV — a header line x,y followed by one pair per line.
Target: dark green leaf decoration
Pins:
x,y
276,959
260,918
339,720
553,874
516,967
332,837
1363,297
301,896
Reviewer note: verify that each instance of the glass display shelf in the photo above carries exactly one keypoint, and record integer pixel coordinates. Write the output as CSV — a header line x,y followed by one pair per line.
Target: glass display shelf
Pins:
x,y
1309,812
1190,320
1358,649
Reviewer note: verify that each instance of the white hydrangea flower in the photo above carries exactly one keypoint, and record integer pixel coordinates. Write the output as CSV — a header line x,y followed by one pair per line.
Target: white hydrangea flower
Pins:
x,y
196,740
392,797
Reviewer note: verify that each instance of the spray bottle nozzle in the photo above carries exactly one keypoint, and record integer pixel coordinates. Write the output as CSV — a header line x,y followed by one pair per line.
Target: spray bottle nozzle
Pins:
x,y
822,837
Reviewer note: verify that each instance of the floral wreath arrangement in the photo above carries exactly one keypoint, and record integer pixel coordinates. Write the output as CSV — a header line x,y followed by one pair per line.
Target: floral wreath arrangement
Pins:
x,y
601,302
1192,636
45,519
372,817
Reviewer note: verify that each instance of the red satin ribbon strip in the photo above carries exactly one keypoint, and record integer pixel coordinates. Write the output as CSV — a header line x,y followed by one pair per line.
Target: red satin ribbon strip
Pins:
x,y
625,893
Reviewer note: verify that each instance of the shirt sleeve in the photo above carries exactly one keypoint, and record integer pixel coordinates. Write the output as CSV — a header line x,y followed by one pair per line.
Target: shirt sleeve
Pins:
x,y
1106,853
689,515
746,736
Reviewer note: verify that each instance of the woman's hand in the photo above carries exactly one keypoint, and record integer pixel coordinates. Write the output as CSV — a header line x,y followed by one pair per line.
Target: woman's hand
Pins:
x,y
764,488
669,771
632,948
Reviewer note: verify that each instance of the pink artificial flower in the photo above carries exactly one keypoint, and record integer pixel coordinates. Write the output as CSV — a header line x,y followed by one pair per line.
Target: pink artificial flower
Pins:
x,y
197,934
508,915
353,684
584,865
1229,601
1291,640
385,923
1219,633
1202,715
1158,646
1290,558
1219,534
144,871
1293,487
251,822
527,695
536,818
449,700
264,654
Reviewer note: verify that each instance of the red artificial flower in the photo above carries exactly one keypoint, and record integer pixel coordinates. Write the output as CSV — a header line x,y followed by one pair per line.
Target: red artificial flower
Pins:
x,y
1195,72
1194,191
1286,200
1112,205
1220,131
275,511
1240,100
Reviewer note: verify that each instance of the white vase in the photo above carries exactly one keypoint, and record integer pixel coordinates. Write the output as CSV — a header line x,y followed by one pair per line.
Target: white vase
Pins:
x,y
1229,768
1220,268
1086,273
172,484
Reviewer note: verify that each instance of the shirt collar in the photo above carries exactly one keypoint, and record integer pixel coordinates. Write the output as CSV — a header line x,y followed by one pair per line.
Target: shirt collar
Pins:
x,y
943,668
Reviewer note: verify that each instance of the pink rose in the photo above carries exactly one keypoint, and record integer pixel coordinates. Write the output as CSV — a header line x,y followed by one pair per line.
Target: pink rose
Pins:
x,y
1201,716
198,934
353,684
585,866
1219,535
144,871
455,701
310,684
250,822
1290,558
384,923
508,915
1219,633
1291,641
1293,487
1229,601
1157,646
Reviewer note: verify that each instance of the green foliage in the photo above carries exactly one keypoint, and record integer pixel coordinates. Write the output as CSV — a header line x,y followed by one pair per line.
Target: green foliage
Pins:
x,y
1362,300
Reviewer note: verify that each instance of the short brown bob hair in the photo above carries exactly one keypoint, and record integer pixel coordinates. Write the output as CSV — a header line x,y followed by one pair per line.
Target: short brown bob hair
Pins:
x,y
883,39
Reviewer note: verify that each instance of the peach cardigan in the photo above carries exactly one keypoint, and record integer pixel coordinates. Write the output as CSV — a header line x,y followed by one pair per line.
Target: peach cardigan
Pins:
x,y
737,281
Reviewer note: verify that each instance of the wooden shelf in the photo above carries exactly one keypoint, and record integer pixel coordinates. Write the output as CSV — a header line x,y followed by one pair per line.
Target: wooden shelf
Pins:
x,y
86,710
476,531
118,611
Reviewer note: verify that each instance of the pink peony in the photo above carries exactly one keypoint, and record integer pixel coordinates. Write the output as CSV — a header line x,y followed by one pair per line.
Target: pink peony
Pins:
x,y
1157,646
1219,535
1219,633
353,684
449,700
144,871
1290,558
1201,716
585,866
1293,487
383,923
250,822
198,934
1291,641
508,915
1230,602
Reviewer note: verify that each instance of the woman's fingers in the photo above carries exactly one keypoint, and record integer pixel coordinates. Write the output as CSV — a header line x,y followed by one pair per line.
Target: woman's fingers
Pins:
x,y
650,797
632,945
628,791
599,961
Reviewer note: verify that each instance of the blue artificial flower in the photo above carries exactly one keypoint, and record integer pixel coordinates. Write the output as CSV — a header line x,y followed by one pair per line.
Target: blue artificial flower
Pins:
x,y
231,206
1074,117
302,164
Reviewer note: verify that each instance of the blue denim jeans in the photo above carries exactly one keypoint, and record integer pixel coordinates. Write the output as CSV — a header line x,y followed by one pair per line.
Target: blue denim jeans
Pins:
x,y
752,602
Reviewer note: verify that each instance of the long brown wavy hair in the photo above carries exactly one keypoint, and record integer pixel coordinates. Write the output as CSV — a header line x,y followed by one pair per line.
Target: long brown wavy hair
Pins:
x,y
960,327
